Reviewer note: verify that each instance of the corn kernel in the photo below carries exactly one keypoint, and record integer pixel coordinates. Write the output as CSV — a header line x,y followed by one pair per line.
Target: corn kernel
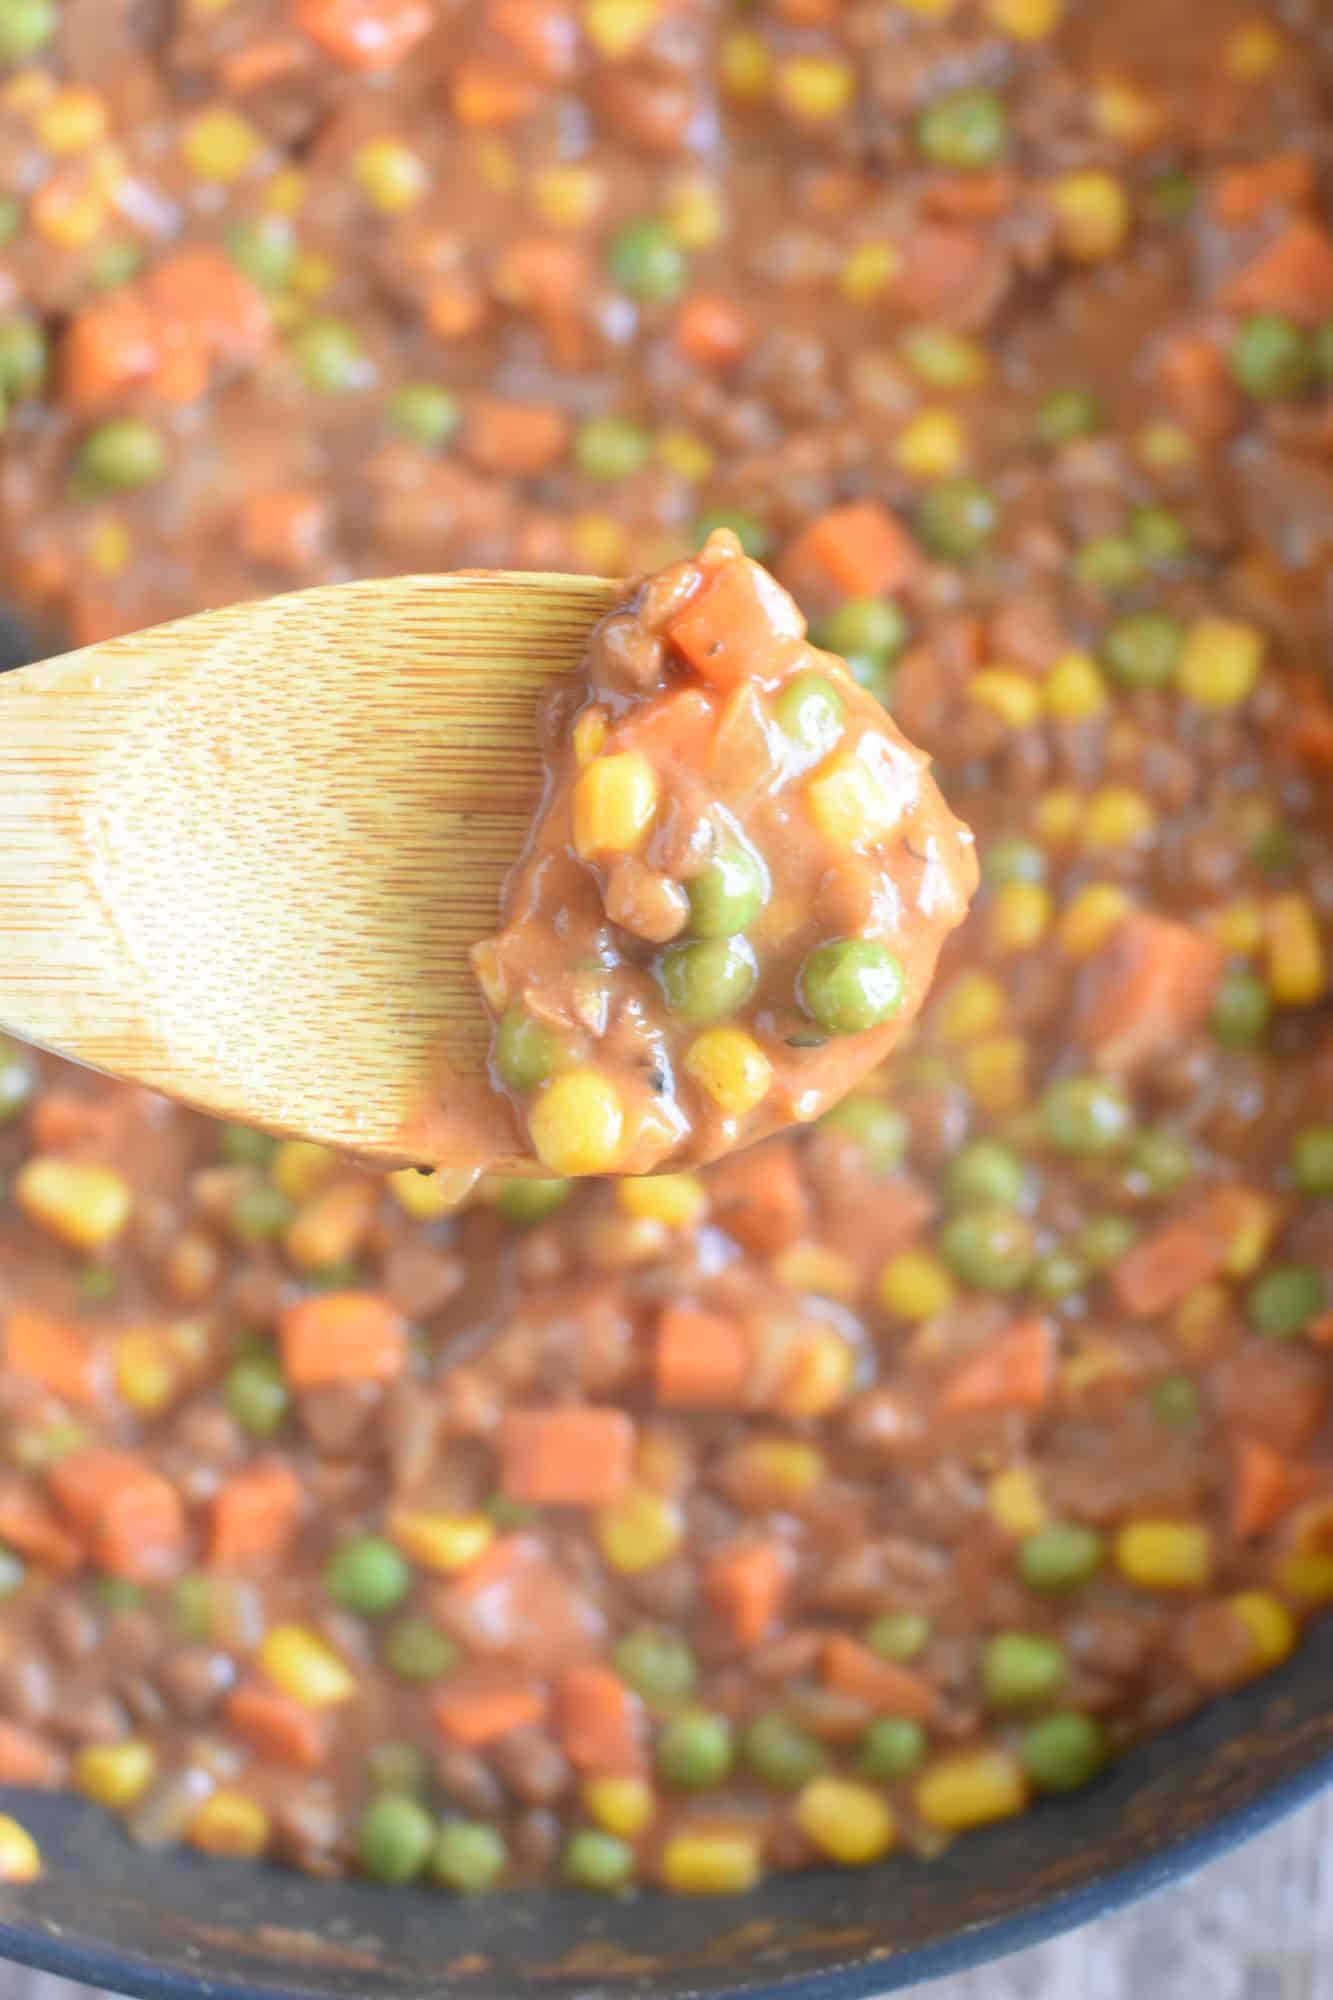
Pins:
x,y
694,213
615,800
1090,916
1295,965
849,801
598,544
1271,1627
624,1806
441,1541
577,1124
815,87
1198,1319
824,1273
85,1206
1021,915
1220,662
300,1166
1126,114
971,1788
685,455
616,27
20,1856
298,1661
679,1200
146,1370
1092,214
1011,696
1238,928
109,546
114,1774
69,212
927,10
285,192
390,175
711,1864
1098,1361
1165,1555
426,1197
1252,1220
1252,51
1165,446
220,145
1075,689
229,1823
1026,20
995,1070
849,1823
944,359
915,1286
969,1005
1118,816
1057,815
331,1226
818,1377
746,64
1015,1501
778,1468
868,271
933,446
312,274
639,1531
568,197
71,120
1306,1567
731,1067
1305,1576
25,93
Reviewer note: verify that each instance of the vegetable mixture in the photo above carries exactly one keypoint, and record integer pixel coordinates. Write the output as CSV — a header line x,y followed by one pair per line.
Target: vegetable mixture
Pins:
x,y
874,1482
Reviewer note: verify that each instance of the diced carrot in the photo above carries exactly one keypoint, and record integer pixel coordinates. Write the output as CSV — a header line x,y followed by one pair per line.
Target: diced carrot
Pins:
x,y
482,1706
1266,1484
254,1515
1241,194
63,1122
950,273
702,1359
109,347
1159,1270
28,1759
1151,986
853,551
1309,723
852,1669
455,306
577,1455
201,290
739,623
363,34
130,1517
276,1728
1013,1371
28,1525
53,1352
342,1337
745,1585
542,32
712,330
515,439
599,1722
1320,1330
485,94
551,278
673,731
1293,274
283,528
972,197
1192,375
759,1197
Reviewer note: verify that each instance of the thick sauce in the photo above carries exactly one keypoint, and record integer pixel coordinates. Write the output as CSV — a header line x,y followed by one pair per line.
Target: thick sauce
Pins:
x,y
871,1483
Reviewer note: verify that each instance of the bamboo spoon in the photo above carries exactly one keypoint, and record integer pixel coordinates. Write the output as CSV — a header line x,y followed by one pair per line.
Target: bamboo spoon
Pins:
x,y
243,856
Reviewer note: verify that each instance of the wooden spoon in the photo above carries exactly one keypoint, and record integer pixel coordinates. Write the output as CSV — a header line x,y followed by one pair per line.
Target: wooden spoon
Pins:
x,y
243,856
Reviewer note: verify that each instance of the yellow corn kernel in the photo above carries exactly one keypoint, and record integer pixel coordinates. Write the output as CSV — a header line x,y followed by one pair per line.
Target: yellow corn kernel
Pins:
x,y
679,1200
300,1166
1057,815
731,1067
577,1124
746,63
298,1661
331,1226
933,445
1220,662
598,544
850,1823
944,359
1021,915
1295,966
971,1788
810,1267
685,455
639,1531
818,1377
695,213
1126,114
1164,446
1075,689
1118,816
426,1197
589,735
109,546
1197,1320
285,192
970,1005
1165,1555
312,274
20,1856
568,197
1092,214
1271,1627
25,93
815,87
146,1369
1238,928
229,1823
114,1774
1306,1566
624,1806
778,1468
72,120
615,27
1015,1501
1026,20
927,10
1013,697
996,1070
711,1864
389,174
849,804
1252,1219
70,213
614,803
1097,1361
915,1286
1252,51
868,271
85,1206
1090,916
220,145
441,1541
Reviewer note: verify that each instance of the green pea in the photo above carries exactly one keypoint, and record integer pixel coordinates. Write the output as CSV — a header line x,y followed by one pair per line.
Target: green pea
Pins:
x,y
330,357
1104,1239
22,356
120,456
192,1604
368,1575
965,130
525,1200
1062,1752
1311,1157
398,1767
811,713
117,1593
729,894
469,1856
957,518
255,1393
1065,415
1086,1114
97,1284
12,1573
1270,357
780,1753
18,1079
1286,1299
1241,1008
695,1750
527,1051
611,448
264,247
1021,1668
242,1146
646,261
705,979
394,1838
1161,1159
991,1248
891,1748
1058,1274
659,1666
1110,563
898,1635
986,1174
874,627
416,1650
1060,1556
879,1129
114,264
594,1860
849,985
1013,859
25,27
1158,535
748,529
424,413
1141,650
259,1213
1175,1401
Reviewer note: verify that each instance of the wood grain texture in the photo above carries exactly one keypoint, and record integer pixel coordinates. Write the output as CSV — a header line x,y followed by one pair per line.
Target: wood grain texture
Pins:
x,y
243,856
